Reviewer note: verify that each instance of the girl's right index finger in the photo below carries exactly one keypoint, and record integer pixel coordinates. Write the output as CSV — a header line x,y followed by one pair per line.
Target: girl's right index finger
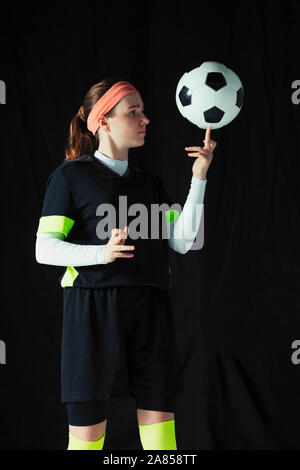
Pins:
x,y
123,247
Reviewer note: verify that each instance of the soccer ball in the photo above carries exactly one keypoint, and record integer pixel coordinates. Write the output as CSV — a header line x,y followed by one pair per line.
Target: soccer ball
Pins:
x,y
210,95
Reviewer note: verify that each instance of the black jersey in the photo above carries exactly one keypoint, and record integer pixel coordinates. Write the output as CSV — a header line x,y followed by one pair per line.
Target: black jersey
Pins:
x,y
74,191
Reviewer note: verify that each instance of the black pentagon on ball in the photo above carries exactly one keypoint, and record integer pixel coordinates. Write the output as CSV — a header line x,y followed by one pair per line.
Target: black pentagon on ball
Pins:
x,y
215,80
239,97
185,96
213,115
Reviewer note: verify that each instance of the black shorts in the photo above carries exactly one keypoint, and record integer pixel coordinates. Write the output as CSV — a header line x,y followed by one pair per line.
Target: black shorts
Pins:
x,y
118,341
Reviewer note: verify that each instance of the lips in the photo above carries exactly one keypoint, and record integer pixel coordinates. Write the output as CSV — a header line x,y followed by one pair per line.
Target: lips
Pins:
x,y
142,132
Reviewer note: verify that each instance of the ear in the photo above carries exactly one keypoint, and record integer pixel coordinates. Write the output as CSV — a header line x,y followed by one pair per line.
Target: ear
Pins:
x,y
103,123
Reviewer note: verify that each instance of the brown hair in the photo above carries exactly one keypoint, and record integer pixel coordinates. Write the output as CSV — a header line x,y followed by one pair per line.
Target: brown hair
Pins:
x,y
81,141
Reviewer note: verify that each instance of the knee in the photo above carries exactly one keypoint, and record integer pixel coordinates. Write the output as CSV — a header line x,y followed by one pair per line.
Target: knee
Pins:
x,y
93,432
145,417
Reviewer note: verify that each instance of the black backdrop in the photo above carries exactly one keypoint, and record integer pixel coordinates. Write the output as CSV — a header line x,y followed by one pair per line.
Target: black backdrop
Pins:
x,y
236,301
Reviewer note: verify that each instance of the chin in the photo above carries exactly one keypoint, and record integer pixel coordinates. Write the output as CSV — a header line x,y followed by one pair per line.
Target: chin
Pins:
x,y
140,144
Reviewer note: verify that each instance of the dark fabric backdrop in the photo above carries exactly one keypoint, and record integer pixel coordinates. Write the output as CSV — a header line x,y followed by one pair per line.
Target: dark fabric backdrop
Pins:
x,y
236,301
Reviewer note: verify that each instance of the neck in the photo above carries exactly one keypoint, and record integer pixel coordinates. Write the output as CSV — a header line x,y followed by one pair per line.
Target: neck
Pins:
x,y
111,150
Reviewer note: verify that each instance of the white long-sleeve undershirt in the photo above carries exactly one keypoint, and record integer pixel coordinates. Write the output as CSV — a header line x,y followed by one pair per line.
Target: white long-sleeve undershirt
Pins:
x,y
51,248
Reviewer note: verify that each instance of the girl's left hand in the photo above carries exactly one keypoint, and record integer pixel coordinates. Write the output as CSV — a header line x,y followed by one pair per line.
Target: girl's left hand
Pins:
x,y
204,154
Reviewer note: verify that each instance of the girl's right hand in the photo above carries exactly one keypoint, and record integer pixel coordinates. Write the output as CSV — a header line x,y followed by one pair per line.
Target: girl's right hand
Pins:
x,y
115,248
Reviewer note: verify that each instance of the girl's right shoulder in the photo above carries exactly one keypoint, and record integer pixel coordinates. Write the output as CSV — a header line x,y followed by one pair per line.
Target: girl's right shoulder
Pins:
x,y
71,165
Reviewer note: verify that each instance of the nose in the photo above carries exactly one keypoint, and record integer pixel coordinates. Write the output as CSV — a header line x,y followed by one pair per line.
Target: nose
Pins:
x,y
145,120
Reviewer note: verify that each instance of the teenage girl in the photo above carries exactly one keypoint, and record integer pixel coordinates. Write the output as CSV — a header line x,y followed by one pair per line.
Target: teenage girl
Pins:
x,y
118,326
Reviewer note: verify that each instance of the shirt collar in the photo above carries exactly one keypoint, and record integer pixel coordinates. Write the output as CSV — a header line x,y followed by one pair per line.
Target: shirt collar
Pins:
x,y
119,166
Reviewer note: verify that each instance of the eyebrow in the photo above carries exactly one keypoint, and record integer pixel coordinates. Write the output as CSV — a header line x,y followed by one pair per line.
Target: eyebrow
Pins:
x,y
135,106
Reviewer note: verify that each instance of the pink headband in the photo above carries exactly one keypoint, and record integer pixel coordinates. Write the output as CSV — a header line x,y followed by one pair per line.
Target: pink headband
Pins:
x,y
107,102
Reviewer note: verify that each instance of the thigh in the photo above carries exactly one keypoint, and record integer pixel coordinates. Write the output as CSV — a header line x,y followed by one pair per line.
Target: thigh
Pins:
x,y
87,413
151,347
153,402
90,344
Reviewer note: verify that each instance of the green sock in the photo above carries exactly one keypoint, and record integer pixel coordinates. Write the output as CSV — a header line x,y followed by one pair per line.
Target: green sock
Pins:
x,y
158,436
79,444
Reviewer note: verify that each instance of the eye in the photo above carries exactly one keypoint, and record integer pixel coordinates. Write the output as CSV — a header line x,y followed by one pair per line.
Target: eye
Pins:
x,y
135,111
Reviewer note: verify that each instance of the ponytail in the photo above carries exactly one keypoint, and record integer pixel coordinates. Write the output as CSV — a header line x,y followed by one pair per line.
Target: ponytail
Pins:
x,y
81,141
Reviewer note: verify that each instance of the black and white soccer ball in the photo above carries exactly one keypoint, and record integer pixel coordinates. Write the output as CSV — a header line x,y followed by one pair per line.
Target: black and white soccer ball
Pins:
x,y
210,95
